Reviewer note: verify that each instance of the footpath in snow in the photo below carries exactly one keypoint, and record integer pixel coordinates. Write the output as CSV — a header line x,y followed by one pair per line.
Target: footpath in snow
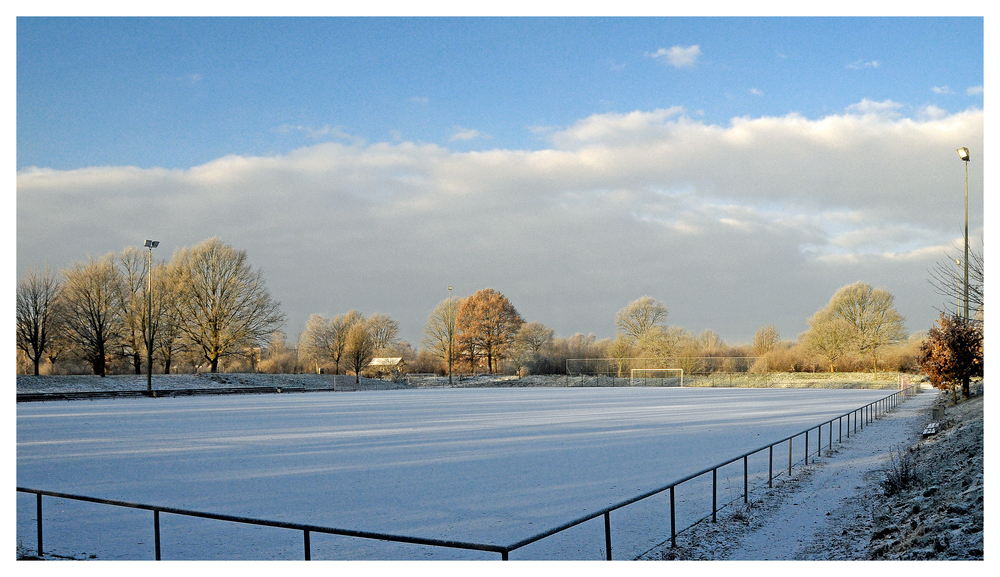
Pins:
x,y
813,515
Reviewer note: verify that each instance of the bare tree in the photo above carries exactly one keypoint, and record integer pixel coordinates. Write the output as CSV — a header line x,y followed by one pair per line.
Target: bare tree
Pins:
x,y
313,340
662,342
535,336
709,343
440,332
90,309
166,320
621,350
829,337
326,339
529,343
132,304
360,348
872,317
639,317
279,358
340,330
224,303
948,279
383,329
37,295
765,340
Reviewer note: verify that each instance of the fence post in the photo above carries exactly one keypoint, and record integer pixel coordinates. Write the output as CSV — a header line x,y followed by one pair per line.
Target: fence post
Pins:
x,y
819,441
38,513
607,532
770,465
807,448
831,436
840,429
746,491
789,457
156,533
673,520
305,545
714,489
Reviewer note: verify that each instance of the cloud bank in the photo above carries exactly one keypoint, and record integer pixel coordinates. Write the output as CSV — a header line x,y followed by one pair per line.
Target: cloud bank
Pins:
x,y
733,227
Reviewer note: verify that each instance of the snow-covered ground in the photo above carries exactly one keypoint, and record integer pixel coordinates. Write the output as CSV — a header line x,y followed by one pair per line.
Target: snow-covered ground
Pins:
x,y
485,465
824,512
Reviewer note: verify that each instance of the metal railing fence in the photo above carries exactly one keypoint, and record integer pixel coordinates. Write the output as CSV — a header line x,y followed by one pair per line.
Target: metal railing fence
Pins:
x,y
861,416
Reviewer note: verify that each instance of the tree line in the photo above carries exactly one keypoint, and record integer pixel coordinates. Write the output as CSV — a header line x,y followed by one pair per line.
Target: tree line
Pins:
x,y
204,305
207,304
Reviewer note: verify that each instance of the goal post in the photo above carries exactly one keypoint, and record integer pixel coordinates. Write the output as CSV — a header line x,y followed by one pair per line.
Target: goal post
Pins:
x,y
642,377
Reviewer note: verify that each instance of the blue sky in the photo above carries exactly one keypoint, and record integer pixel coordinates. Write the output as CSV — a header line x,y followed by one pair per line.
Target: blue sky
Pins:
x,y
738,169
179,92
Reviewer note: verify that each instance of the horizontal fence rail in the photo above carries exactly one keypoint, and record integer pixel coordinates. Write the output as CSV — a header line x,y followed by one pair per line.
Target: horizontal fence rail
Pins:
x,y
861,416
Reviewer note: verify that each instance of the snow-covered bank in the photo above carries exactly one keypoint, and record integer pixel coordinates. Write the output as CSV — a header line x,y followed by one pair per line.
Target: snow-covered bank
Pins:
x,y
835,509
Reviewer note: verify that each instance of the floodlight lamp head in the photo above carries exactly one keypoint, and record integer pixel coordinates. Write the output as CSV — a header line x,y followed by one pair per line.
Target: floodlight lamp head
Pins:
x,y
151,244
963,153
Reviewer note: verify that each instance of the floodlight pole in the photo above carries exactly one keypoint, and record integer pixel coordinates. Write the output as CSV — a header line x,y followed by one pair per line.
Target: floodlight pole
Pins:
x,y
963,153
958,306
451,332
150,244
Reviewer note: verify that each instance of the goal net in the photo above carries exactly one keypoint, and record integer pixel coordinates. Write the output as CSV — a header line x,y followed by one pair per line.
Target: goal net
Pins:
x,y
656,378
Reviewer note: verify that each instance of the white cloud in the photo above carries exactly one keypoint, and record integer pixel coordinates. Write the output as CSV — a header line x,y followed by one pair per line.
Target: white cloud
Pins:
x,y
861,64
465,134
618,128
932,112
677,56
419,100
756,92
695,214
319,133
941,90
974,90
886,108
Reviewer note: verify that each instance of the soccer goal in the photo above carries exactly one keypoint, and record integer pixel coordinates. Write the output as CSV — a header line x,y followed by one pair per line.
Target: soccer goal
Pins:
x,y
656,378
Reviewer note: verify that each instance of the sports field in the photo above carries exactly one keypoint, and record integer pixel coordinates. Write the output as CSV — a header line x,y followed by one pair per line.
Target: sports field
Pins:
x,y
483,465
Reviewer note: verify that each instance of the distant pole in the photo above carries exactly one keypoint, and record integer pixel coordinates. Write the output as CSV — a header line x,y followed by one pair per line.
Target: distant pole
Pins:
x,y
963,153
150,244
451,332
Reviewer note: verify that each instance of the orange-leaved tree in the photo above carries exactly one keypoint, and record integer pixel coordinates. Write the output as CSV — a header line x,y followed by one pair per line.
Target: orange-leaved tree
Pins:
x,y
952,353
487,324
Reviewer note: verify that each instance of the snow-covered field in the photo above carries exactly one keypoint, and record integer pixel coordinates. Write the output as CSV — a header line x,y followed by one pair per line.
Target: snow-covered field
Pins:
x,y
485,465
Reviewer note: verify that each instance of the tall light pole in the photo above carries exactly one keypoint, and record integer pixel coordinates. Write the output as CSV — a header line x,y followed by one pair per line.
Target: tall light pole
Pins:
x,y
963,153
150,244
958,306
451,332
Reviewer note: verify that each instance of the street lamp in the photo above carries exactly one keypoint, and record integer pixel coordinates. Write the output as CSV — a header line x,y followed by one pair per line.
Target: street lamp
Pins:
x,y
150,244
963,153
451,332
